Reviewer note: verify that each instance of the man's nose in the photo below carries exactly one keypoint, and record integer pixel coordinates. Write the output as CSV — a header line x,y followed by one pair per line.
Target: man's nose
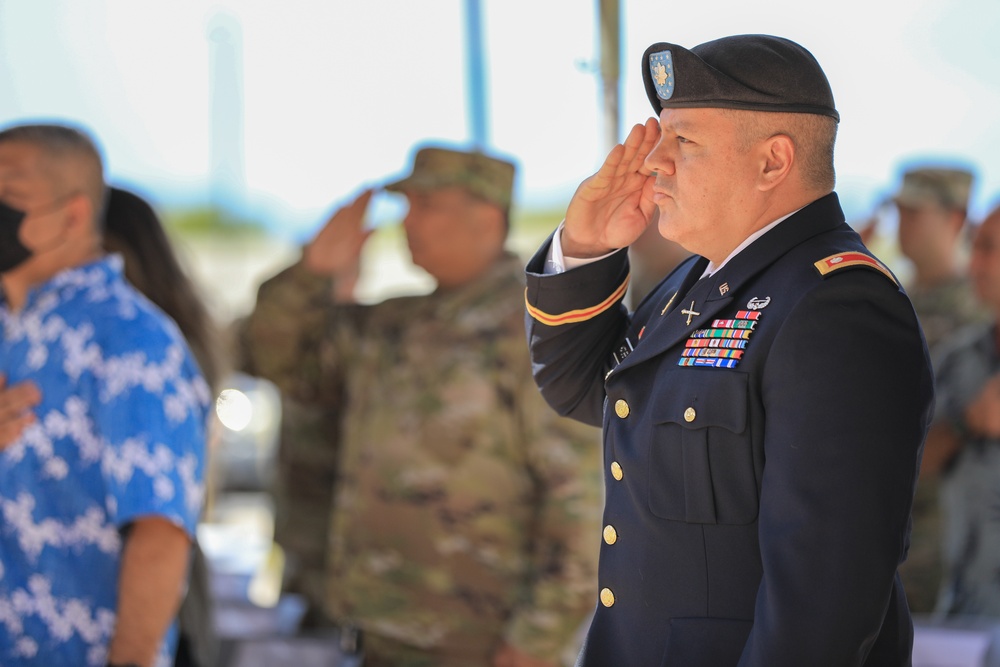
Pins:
x,y
659,160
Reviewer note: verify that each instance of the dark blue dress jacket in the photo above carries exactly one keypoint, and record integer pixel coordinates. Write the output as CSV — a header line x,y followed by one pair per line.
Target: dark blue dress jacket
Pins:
x,y
762,436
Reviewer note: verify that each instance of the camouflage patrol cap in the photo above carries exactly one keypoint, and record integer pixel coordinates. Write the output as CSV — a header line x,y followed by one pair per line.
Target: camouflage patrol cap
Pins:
x,y
752,72
949,188
483,176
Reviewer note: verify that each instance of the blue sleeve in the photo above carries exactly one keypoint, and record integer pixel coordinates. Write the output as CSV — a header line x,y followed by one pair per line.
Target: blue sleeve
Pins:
x,y
151,413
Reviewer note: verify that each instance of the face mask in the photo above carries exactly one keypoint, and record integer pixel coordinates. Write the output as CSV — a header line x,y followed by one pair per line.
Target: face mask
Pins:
x,y
13,253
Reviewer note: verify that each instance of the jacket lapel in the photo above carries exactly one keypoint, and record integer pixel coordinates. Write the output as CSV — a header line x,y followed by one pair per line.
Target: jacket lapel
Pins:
x,y
689,310
697,303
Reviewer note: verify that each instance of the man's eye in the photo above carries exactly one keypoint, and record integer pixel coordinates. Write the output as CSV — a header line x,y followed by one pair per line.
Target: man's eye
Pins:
x,y
682,140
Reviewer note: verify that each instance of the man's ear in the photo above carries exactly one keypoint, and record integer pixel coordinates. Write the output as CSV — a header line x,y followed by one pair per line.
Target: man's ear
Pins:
x,y
956,220
80,215
777,157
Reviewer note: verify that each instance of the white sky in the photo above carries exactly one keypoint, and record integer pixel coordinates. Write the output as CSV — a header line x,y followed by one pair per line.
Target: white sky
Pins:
x,y
337,93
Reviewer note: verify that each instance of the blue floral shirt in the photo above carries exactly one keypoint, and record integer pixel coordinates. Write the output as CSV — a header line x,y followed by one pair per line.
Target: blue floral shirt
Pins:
x,y
119,435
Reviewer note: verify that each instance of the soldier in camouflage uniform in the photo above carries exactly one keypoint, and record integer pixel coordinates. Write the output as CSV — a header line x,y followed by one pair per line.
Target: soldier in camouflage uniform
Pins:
x,y
466,519
932,205
963,445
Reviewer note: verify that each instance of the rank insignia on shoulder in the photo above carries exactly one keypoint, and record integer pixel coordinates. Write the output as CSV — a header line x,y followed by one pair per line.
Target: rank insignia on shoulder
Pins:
x,y
843,260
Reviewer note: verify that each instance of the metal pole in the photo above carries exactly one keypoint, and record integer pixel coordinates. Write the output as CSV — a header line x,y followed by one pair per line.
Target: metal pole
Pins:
x,y
476,74
226,132
609,26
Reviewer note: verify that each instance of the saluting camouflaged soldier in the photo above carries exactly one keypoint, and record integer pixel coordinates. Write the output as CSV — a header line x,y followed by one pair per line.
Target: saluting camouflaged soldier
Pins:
x,y
765,406
462,529
932,204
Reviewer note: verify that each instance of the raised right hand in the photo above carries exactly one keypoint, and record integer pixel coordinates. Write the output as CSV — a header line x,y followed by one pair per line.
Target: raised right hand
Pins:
x,y
16,403
613,207
335,251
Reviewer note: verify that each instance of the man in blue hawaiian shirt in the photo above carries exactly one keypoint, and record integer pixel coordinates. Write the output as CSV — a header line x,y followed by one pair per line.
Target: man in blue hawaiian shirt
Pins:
x,y
102,453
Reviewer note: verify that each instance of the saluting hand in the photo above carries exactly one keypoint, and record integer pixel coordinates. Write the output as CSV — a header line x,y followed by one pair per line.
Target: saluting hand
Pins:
x,y
613,207
335,251
16,403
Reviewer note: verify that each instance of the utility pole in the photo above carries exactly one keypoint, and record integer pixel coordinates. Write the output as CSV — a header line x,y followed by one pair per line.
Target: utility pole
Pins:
x,y
609,28
476,74
227,171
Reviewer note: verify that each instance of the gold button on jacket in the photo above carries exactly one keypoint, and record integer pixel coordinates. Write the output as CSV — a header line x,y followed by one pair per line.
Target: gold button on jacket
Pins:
x,y
607,597
616,471
689,415
621,408
610,534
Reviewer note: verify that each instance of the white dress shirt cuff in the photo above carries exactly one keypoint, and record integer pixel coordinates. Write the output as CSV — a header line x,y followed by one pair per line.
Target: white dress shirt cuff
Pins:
x,y
557,262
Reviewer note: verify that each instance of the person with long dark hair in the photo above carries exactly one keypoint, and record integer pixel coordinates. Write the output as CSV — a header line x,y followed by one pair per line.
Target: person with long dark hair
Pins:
x,y
133,230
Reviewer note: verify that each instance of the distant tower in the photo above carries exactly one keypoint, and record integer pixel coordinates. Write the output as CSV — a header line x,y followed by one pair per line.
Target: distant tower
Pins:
x,y
227,171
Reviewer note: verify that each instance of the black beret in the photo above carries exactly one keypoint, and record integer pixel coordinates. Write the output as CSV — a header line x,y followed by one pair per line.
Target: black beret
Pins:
x,y
753,72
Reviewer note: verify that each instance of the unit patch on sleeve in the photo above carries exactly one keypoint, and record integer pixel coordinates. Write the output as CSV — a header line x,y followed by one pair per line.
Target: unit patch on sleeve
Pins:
x,y
722,345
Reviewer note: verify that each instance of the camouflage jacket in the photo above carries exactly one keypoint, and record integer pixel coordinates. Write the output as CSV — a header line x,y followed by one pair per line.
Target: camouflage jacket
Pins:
x,y
466,512
946,309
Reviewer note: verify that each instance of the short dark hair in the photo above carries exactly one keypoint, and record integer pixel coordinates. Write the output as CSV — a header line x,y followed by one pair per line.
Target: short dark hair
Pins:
x,y
59,142
813,135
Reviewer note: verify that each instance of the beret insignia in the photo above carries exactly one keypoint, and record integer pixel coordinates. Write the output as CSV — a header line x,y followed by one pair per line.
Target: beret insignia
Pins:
x,y
661,67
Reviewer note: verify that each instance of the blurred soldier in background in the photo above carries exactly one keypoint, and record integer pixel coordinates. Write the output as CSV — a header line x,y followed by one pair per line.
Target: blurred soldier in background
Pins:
x,y
962,446
933,204
462,527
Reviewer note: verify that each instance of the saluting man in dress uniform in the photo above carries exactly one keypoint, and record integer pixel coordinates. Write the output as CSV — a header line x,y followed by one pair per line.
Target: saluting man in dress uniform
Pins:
x,y
764,408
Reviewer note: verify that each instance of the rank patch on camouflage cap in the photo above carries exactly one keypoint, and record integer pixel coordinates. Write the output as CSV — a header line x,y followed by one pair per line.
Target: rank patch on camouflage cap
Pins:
x,y
661,67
